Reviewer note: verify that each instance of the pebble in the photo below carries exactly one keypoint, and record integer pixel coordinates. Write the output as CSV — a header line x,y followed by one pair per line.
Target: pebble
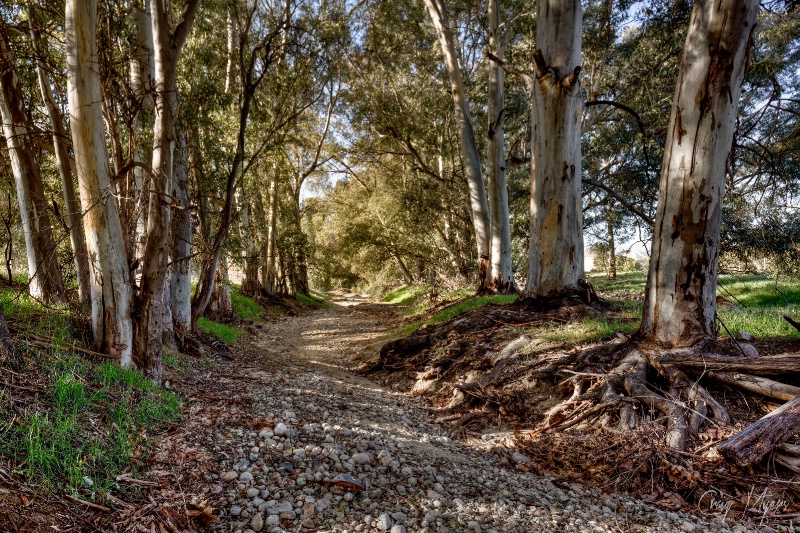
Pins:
x,y
281,430
384,522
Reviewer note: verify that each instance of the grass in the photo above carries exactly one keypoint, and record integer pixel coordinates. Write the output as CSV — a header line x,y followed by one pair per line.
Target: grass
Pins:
x,y
90,424
760,301
227,334
458,309
245,307
405,295
312,301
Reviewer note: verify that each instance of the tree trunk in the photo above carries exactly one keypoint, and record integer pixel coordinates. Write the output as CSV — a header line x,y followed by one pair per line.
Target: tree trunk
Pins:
x,y
44,272
181,271
272,230
71,205
148,332
469,148
555,256
501,271
230,32
250,281
110,286
680,300
761,437
612,251
224,305
143,87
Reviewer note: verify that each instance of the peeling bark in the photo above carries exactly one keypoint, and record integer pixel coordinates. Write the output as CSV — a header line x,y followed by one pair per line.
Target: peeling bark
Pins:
x,y
680,299
555,255
181,271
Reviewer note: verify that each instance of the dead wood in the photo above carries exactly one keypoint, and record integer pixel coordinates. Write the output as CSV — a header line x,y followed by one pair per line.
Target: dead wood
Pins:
x,y
763,435
769,365
757,384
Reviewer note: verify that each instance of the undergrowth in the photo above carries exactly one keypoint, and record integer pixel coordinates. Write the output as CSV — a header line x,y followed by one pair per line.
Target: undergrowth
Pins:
x,y
245,307
89,423
311,301
460,308
227,334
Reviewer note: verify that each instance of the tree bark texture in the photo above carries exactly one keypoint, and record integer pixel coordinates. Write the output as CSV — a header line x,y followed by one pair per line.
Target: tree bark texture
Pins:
x,y
71,204
762,436
680,300
110,287
181,271
501,271
469,148
44,272
555,255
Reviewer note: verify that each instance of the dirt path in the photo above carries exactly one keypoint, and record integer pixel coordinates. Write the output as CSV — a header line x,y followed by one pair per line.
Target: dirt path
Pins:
x,y
297,420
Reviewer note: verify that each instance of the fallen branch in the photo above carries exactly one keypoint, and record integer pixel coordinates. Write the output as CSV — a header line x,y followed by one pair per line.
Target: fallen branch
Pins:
x,y
763,435
762,365
125,479
757,384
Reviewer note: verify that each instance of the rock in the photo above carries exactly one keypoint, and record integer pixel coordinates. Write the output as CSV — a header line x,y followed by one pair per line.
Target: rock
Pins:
x,y
235,510
688,527
384,522
87,482
397,528
308,524
273,520
520,458
361,458
252,493
257,522
749,350
230,476
309,510
245,477
744,336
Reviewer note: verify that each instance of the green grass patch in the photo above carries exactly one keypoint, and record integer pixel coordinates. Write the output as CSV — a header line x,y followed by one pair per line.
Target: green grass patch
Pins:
x,y
90,424
246,307
458,309
311,301
405,295
227,334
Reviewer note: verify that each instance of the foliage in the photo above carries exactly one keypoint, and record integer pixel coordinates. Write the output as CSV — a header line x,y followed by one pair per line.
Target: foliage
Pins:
x,y
245,307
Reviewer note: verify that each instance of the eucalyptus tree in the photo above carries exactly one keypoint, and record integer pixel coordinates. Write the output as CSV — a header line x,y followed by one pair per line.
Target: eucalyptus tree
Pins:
x,y
43,269
680,300
112,325
469,148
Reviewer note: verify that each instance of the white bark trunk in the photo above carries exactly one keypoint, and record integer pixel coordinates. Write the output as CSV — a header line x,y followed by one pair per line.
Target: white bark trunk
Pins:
x,y
231,33
555,256
111,290
501,270
469,148
43,270
181,272
680,300
71,204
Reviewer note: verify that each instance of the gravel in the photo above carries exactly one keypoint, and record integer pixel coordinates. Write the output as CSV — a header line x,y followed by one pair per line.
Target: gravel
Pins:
x,y
318,420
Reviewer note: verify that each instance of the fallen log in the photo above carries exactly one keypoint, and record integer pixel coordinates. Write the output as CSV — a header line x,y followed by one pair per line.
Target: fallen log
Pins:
x,y
768,365
757,384
763,435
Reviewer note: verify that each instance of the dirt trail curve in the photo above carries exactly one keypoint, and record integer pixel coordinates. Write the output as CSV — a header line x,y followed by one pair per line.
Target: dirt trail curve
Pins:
x,y
316,420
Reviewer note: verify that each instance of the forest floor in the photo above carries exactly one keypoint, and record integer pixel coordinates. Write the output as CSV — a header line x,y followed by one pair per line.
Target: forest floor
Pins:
x,y
283,435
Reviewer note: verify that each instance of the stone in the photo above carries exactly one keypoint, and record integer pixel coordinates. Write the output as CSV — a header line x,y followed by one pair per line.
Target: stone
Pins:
x,y
246,477
361,458
257,522
230,476
235,510
309,510
273,520
688,527
252,493
384,522
397,528
281,430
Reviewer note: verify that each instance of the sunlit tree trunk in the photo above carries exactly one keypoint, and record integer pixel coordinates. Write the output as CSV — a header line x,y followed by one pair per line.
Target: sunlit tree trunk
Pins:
x,y
230,33
680,300
555,257
501,271
110,287
250,281
181,270
71,205
43,270
469,148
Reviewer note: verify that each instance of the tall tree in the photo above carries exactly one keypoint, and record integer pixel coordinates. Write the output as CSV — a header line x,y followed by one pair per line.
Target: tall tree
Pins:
x,y
110,286
469,147
150,303
680,300
501,270
43,268
555,256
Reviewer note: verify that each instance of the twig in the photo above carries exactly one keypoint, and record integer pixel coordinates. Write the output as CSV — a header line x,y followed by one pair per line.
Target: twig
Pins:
x,y
125,479
89,504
